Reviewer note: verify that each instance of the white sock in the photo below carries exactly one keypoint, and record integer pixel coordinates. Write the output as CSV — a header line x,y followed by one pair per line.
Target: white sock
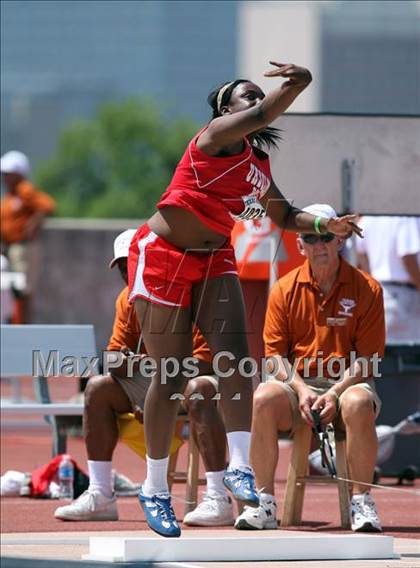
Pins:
x,y
157,476
215,482
359,495
100,476
266,497
239,444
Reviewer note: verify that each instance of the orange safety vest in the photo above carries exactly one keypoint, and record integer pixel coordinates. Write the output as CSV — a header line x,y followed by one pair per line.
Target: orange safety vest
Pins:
x,y
264,251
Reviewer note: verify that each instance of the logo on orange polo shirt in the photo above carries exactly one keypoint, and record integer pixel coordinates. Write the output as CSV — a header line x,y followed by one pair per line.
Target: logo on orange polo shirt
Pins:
x,y
347,304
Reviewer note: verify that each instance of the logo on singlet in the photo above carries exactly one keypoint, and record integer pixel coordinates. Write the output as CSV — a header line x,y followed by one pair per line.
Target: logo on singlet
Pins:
x,y
259,181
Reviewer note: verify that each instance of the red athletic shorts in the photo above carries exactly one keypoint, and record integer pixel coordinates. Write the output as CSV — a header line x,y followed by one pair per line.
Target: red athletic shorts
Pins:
x,y
165,274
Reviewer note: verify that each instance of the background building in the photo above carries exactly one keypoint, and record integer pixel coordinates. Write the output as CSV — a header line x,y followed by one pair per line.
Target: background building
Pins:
x,y
364,54
60,59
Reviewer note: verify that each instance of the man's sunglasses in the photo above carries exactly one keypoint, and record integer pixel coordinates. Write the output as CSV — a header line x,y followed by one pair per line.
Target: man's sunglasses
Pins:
x,y
312,239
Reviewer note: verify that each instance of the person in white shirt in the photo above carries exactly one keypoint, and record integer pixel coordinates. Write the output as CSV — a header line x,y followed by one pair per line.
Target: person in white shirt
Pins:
x,y
7,299
390,252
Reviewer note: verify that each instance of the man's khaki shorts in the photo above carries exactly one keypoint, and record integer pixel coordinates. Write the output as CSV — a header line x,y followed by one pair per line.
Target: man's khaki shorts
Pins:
x,y
136,387
25,258
320,386
18,255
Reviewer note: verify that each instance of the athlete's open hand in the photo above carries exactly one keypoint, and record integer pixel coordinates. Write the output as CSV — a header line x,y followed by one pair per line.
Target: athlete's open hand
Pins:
x,y
298,76
344,226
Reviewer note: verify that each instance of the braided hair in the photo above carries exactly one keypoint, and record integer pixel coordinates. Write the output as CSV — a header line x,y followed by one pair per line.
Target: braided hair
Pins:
x,y
218,98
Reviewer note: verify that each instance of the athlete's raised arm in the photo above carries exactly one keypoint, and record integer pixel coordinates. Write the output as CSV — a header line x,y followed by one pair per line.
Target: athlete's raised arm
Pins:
x,y
244,110
282,212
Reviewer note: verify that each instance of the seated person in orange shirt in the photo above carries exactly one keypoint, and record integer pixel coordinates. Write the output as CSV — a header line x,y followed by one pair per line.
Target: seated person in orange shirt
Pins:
x,y
324,309
23,209
108,397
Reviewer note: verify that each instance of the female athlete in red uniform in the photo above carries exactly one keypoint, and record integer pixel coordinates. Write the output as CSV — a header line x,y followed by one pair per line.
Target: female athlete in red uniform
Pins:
x,y
182,269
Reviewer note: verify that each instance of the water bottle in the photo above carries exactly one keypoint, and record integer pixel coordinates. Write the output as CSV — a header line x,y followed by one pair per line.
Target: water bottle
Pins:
x,y
66,478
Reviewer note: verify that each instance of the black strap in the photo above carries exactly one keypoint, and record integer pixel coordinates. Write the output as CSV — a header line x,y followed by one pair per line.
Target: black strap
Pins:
x,y
326,450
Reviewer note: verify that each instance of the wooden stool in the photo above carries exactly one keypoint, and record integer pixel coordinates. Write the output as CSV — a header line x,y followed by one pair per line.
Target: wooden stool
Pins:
x,y
297,478
191,475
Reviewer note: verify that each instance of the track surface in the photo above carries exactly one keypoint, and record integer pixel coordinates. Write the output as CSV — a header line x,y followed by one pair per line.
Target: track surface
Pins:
x,y
28,447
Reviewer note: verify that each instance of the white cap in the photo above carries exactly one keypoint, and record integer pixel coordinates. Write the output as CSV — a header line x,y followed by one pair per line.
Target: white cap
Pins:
x,y
320,210
15,162
121,245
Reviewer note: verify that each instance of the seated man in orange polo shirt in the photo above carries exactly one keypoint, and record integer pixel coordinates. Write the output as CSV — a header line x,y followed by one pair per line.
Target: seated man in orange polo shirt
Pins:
x,y
318,317
107,397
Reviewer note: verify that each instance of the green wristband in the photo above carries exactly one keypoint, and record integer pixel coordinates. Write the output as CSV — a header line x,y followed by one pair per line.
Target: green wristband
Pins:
x,y
317,225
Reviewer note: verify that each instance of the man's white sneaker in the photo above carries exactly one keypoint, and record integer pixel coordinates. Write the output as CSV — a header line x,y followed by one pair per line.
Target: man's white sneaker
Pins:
x,y
215,510
258,518
90,506
364,517
123,486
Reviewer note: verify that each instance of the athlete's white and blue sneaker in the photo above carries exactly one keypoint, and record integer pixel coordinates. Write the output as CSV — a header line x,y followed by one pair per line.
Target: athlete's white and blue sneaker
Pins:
x,y
241,483
159,514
